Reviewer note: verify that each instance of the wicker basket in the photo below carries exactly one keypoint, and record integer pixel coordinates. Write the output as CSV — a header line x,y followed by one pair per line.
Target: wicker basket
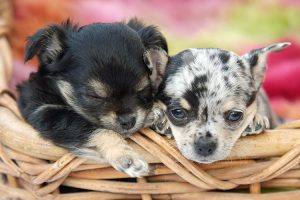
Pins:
x,y
31,168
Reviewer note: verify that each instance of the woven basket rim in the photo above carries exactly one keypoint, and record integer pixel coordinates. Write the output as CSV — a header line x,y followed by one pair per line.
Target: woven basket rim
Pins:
x,y
65,170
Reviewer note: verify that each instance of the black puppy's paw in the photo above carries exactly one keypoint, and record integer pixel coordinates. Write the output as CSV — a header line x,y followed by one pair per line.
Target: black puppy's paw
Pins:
x,y
128,161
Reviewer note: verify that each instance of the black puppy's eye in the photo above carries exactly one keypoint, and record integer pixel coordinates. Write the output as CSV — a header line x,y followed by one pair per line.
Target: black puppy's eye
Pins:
x,y
178,113
145,95
93,96
233,116
145,99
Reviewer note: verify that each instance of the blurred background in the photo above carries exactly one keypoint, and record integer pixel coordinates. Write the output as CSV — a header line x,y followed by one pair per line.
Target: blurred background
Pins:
x,y
229,24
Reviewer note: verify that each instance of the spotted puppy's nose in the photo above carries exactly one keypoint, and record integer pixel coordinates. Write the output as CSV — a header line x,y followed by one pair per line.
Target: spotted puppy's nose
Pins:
x,y
127,121
205,147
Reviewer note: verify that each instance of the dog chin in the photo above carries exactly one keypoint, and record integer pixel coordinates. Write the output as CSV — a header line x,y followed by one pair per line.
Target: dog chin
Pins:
x,y
210,159
129,132
203,160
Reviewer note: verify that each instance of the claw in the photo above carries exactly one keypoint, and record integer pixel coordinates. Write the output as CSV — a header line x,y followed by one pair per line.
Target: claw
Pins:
x,y
258,125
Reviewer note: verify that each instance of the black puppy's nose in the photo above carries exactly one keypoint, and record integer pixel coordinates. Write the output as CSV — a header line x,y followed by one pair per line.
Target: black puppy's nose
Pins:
x,y
205,147
127,121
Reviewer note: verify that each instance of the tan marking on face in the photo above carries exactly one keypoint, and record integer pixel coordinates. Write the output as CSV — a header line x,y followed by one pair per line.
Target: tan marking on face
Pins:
x,y
67,92
140,117
110,118
47,106
99,87
185,104
229,105
162,105
142,83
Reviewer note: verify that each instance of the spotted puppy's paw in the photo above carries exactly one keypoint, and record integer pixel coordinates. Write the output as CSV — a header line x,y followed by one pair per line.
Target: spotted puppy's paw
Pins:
x,y
128,161
258,125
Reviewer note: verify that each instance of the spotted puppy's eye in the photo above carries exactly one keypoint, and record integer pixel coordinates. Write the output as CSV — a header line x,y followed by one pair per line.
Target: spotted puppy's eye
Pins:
x,y
178,116
178,113
233,116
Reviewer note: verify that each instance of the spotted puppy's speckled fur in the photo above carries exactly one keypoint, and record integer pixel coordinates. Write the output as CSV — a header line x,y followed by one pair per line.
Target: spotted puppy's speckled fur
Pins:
x,y
211,97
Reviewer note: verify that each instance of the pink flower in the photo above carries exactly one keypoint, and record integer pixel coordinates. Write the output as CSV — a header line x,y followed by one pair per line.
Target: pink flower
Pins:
x,y
282,82
283,75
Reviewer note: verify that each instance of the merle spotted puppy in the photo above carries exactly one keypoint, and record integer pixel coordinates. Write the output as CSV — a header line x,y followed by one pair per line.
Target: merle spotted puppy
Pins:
x,y
211,97
93,88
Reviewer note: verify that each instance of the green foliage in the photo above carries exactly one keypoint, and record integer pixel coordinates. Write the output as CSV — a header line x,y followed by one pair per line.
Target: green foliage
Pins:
x,y
264,21
245,23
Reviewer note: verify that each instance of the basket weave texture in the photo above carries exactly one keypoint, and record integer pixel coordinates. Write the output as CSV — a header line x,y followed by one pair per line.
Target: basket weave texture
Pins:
x,y
31,168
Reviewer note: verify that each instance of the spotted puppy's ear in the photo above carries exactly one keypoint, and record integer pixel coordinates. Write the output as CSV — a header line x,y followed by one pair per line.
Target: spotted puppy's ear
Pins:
x,y
257,60
49,44
156,59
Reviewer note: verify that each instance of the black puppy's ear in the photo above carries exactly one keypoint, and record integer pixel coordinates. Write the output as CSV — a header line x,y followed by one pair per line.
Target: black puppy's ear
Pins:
x,y
150,35
156,59
48,43
156,54
257,60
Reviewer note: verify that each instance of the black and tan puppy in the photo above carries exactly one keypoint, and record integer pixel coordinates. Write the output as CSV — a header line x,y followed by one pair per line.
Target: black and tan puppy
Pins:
x,y
93,88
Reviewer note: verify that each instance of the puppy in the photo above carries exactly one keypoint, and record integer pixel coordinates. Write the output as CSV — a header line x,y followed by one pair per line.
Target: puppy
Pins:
x,y
211,97
93,88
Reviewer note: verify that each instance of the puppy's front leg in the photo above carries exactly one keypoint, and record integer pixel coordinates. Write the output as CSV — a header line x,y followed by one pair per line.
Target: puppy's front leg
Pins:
x,y
115,150
264,117
258,125
157,121
68,129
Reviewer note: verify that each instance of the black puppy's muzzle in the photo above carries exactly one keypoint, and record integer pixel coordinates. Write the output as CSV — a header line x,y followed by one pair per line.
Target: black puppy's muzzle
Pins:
x,y
205,147
127,121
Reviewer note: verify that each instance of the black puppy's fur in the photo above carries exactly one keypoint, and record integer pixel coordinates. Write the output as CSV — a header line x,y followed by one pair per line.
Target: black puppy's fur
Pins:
x,y
110,54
